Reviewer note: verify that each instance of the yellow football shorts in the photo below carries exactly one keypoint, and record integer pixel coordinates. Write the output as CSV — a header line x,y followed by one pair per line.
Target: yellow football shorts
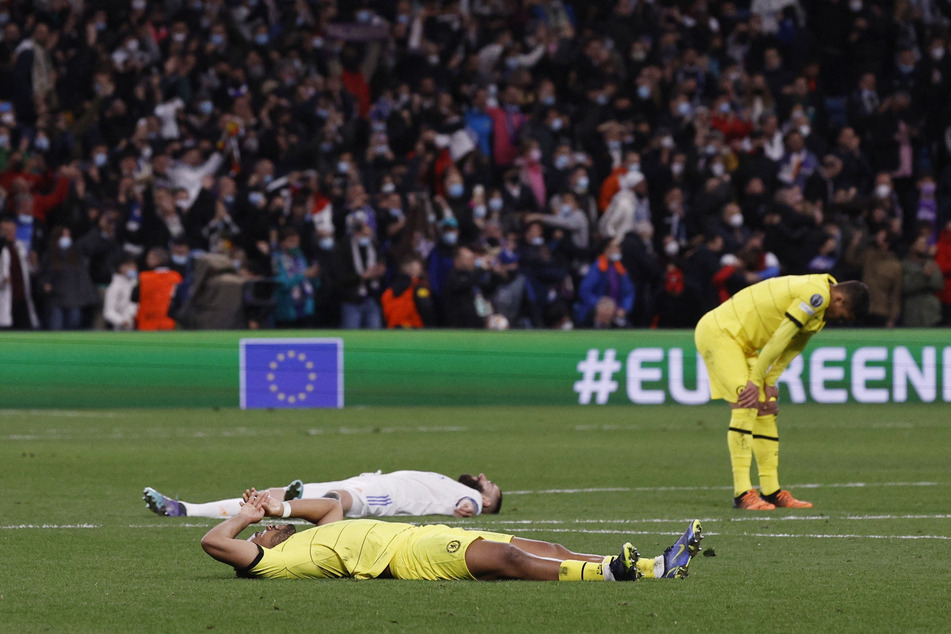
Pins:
x,y
438,552
727,363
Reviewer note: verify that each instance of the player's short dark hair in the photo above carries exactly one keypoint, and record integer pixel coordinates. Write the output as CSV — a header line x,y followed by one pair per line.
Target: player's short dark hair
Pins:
x,y
857,295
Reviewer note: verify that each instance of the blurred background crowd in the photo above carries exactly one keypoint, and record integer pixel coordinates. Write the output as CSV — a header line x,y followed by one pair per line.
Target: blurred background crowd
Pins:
x,y
466,163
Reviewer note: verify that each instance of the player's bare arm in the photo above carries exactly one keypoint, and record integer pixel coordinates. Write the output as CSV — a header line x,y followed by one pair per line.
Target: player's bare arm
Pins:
x,y
221,543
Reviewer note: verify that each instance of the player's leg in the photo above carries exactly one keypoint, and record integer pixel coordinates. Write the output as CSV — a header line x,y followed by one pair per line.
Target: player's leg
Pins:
x,y
766,450
164,505
729,371
489,560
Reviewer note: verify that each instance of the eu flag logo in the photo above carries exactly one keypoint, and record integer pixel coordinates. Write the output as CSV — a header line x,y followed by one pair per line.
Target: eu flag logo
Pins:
x,y
291,373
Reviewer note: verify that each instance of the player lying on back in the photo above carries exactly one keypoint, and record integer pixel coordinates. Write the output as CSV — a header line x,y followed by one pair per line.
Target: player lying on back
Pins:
x,y
368,549
366,495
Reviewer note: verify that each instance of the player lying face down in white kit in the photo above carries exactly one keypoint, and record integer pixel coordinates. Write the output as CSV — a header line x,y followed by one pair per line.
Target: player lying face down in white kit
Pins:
x,y
367,495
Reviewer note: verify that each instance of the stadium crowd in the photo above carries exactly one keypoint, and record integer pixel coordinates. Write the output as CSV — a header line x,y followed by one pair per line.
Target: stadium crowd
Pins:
x,y
467,163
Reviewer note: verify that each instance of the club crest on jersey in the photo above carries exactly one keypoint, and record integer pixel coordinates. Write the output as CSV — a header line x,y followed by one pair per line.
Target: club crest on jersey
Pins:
x,y
453,546
816,300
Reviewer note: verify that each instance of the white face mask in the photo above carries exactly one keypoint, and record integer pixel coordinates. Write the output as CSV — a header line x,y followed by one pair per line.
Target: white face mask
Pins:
x,y
65,242
736,220
671,249
717,169
883,190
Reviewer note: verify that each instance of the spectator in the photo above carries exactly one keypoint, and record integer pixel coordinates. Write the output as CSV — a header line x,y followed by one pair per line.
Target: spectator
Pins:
x,y
922,280
882,273
467,286
66,283
119,306
407,303
294,295
360,271
17,311
156,287
607,277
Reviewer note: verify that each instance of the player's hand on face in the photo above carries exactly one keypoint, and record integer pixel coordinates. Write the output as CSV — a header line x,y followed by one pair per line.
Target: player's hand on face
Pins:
x,y
464,509
749,397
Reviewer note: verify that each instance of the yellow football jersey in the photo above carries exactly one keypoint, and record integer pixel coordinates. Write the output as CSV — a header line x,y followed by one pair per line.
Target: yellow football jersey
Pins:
x,y
351,548
755,313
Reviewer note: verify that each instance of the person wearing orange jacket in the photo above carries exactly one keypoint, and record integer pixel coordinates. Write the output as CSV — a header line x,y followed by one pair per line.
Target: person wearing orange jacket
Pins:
x,y
408,303
156,286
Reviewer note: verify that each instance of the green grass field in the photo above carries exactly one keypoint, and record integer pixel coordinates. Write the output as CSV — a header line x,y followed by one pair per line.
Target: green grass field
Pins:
x,y
81,552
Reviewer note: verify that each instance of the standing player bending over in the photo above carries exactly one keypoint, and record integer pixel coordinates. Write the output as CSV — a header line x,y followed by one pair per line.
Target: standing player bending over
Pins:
x,y
368,549
746,343
366,495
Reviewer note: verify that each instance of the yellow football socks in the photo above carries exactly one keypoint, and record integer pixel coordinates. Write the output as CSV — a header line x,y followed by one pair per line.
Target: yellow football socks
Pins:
x,y
766,450
740,440
646,567
572,570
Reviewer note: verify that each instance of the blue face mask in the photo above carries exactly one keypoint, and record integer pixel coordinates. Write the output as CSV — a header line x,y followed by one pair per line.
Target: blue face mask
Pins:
x,y
364,241
456,190
643,91
450,238
582,184
343,167
261,39
396,212
326,243
495,204
206,107
479,211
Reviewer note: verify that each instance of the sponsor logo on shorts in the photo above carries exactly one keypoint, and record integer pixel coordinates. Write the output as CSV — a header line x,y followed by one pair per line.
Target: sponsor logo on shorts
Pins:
x,y
816,300
453,546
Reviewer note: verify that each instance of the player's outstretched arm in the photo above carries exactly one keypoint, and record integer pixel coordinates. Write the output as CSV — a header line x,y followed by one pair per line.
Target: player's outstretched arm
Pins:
x,y
220,541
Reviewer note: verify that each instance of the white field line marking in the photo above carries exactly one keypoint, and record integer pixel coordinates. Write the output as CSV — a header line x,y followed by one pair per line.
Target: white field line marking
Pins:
x,y
237,432
713,533
721,488
67,413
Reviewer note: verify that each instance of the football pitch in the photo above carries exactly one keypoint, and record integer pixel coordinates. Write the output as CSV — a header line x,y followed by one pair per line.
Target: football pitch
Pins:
x,y
81,553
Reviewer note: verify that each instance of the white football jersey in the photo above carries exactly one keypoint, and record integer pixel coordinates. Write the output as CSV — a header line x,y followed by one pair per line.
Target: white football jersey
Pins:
x,y
400,493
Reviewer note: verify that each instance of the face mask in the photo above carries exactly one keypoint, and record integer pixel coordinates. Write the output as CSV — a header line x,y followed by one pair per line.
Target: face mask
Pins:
x,y
556,124
450,238
561,161
343,167
138,5
25,219
677,169
65,242
256,198
710,150
41,143
363,16
717,169
736,220
855,5
433,60
396,212
100,159
261,39
4,140
804,130
206,107
217,39
7,118
883,191
179,259
182,203
479,211
456,190
495,204
615,257
479,262
388,188
535,155
179,37
724,108
683,108
547,101
326,243
601,100
132,45
537,241
131,274
667,143
639,55
634,168
643,91
364,241
671,249
566,209
614,145
937,53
